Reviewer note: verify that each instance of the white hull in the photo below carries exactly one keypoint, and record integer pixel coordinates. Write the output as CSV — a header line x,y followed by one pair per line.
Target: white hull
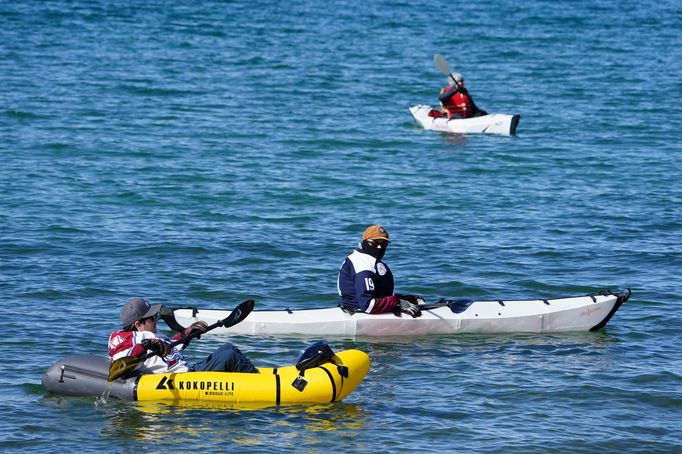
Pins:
x,y
584,313
487,124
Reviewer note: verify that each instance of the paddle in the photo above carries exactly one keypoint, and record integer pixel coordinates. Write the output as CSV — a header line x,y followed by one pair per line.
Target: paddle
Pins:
x,y
123,366
456,306
442,64
444,67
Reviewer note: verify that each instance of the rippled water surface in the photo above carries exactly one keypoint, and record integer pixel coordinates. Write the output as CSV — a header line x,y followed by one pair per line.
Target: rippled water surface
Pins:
x,y
204,153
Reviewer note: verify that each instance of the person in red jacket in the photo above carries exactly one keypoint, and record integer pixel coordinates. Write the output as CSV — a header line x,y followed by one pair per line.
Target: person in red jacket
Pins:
x,y
139,335
456,101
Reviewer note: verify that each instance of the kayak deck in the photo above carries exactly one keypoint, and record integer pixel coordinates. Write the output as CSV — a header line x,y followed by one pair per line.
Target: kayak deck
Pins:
x,y
582,313
496,123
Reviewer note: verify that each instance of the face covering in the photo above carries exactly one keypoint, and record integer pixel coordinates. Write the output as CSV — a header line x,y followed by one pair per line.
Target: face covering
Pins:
x,y
376,250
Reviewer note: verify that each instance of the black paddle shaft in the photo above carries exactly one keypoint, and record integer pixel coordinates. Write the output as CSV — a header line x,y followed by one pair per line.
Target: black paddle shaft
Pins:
x,y
237,315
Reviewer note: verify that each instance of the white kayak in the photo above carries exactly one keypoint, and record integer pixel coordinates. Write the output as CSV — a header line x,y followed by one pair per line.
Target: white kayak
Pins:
x,y
581,313
486,124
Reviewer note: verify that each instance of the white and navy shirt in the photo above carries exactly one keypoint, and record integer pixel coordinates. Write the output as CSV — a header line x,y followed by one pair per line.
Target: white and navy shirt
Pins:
x,y
363,279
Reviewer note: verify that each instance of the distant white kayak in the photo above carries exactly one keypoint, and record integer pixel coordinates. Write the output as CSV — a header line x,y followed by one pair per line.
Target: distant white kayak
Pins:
x,y
487,124
582,313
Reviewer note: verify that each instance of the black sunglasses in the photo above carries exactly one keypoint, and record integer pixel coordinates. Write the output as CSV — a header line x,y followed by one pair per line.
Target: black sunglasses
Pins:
x,y
379,243
156,318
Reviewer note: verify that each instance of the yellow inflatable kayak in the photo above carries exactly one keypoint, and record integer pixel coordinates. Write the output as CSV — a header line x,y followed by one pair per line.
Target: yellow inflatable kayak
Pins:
x,y
325,383
331,381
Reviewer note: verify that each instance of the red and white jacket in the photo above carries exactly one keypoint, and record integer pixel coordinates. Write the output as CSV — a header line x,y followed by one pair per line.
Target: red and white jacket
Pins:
x,y
458,105
129,343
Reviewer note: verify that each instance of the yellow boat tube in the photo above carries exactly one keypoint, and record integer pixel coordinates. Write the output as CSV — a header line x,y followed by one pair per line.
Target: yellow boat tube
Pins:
x,y
81,375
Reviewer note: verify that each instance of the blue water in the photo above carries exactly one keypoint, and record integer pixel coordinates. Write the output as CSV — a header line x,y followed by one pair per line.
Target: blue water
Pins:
x,y
204,153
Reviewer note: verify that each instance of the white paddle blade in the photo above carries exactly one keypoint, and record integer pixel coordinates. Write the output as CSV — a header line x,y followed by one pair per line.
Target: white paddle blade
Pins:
x,y
442,64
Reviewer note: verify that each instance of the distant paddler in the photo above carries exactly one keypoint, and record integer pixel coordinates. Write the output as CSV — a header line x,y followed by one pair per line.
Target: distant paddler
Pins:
x,y
455,100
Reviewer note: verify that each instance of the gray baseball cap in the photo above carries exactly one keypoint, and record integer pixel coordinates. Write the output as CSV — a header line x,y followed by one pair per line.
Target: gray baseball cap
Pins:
x,y
455,77
137,309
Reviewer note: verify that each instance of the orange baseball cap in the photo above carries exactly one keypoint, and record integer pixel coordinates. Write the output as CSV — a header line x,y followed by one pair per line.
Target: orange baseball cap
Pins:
x,y
375,232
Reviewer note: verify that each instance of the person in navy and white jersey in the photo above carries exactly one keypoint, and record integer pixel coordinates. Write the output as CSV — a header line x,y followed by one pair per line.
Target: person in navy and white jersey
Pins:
x,y
139,335
365,282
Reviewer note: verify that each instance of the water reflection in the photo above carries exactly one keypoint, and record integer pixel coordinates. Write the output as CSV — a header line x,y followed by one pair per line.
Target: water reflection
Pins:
x,y
243,425
459,140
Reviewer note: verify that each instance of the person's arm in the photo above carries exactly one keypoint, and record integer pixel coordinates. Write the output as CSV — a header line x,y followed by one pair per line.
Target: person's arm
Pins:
x,y
403,303
138,350
378,304
446,94
474,108
124,343
364,290
365,294
200,326
384,304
